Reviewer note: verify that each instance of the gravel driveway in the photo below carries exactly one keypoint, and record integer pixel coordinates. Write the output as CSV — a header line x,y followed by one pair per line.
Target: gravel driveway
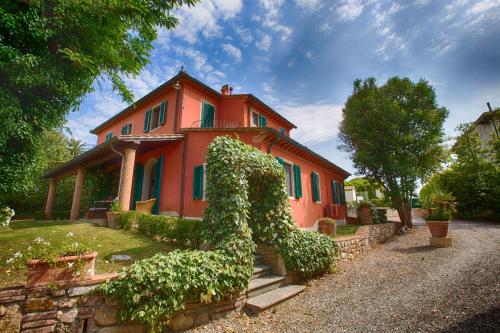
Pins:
x,y
401,286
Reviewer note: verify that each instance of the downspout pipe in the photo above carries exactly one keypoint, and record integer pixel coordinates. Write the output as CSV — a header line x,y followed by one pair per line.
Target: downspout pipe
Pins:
x,y
121,168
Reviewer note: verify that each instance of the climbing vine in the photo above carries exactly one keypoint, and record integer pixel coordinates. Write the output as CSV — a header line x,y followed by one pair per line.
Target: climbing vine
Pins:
x,y
247,204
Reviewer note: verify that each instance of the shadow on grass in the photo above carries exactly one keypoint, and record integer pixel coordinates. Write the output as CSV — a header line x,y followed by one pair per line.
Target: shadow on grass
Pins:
x,y
16,225
488,321
415,249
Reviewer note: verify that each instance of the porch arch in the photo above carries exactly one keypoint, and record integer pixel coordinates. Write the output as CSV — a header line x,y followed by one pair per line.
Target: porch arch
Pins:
x,y
149,166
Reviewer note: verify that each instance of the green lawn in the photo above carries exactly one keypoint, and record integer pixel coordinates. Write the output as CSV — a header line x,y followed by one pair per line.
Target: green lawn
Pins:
x,y
346,230
105,242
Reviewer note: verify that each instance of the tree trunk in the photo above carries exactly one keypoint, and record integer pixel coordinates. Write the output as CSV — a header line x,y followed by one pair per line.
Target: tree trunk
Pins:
x,y
404,212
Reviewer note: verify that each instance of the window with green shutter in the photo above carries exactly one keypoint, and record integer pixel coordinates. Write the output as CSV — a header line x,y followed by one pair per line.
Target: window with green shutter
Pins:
x,y
198,182
336,199
109,136
342,194
280,161
262,121
163,112
315,187
147,121
298,181
207,115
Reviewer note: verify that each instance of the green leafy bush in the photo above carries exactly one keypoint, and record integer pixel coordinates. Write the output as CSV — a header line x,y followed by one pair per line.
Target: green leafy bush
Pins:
x,y
182,231
56,215
439,215
381,215
247,197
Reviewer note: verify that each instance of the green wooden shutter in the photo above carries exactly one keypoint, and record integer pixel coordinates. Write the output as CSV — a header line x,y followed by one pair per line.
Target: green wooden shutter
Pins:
x,y
157,186
163,111
315,186
198,182
147,120
298,181
282,131
342,194
139,176
109,136
207,115
280,161
262,121
334,192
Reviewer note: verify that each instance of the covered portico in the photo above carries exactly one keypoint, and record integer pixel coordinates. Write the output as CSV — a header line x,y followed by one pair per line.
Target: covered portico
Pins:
x,y
121,149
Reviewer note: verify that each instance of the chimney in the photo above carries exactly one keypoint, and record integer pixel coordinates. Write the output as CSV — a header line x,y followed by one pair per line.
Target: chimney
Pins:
x,y
225,90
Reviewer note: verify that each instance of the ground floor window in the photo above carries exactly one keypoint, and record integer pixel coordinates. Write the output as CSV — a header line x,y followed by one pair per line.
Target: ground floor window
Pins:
x,y
289,177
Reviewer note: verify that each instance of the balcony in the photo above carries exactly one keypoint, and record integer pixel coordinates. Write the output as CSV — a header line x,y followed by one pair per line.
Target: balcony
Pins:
x,y
219,123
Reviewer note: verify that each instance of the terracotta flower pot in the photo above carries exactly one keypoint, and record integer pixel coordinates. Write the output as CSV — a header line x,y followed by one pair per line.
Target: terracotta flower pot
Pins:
x,y
327,226
112,220
438,228
365,215
63,271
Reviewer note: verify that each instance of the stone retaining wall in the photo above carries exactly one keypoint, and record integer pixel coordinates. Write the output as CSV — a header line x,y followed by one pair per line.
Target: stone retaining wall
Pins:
x,y
70,309
365,238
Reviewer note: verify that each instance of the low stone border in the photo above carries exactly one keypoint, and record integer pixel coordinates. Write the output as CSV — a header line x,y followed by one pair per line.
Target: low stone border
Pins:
x,y
366,237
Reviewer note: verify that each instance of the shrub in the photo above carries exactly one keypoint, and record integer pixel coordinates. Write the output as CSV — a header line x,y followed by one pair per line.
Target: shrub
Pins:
x,y
6,215
327,226
175,229
381,215
56,215
438,215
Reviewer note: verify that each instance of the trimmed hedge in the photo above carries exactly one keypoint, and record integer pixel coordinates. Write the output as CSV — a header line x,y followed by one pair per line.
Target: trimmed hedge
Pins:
x,y
182,231
56,215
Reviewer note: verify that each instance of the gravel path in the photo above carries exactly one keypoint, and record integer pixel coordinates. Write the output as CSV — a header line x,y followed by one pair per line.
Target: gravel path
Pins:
x,y
401,286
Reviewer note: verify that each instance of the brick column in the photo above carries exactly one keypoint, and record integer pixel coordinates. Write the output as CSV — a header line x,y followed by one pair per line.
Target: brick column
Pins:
x,y
50,199
77,195
127,174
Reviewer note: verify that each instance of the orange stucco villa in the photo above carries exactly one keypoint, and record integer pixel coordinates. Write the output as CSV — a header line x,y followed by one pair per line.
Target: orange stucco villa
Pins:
x,y
159,144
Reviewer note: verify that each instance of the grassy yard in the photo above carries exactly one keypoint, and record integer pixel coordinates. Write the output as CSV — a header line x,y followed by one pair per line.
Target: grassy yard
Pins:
x,y
105,241
346,230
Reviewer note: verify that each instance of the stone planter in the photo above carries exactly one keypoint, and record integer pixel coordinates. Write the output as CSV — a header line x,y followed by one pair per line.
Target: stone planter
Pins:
x,y
112,220
365,215
63,271
438,228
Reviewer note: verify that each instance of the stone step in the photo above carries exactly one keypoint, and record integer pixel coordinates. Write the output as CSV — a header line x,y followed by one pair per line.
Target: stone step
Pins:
x,y
261,302
261,270
264,284
257,259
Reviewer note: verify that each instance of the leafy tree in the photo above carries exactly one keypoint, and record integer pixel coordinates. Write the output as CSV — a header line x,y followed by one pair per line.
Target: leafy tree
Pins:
x,y
51,53
473,177
75,146
362,184
394,134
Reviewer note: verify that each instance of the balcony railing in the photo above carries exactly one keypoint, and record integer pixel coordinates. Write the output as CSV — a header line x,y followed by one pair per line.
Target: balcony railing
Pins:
x,y
219,123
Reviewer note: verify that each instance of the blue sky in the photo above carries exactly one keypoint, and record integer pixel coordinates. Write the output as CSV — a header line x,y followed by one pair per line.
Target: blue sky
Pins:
x,y
301,57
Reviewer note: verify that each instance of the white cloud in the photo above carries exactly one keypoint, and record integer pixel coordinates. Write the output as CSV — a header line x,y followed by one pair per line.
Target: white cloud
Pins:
x,y
270,18
326,28
309,55
233,51
265,43
245,35
143,83
291,63
384,26
203,18
316,123
311,5
348,10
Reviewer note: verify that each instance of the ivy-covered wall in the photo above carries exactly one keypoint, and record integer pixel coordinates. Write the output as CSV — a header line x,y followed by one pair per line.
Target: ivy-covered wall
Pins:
x,y
247,204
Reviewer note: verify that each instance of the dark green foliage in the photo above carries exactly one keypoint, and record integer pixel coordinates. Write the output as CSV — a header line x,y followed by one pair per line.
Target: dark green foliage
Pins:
x,y
175,229
473,178
39,215
151,290
394,133
381,216
439,215
51,53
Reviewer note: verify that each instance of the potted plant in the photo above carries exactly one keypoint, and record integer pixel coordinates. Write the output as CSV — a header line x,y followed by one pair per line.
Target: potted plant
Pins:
x,y
327,226
60,263
113,214
441,207
364,211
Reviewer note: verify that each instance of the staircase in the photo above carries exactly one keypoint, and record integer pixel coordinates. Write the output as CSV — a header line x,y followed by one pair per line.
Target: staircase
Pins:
x,y
266,289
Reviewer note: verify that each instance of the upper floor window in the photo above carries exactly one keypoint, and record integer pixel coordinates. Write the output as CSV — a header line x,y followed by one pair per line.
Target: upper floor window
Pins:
x,y
155,117
109,136
282,131
127,129
257,119
207,115
316,192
